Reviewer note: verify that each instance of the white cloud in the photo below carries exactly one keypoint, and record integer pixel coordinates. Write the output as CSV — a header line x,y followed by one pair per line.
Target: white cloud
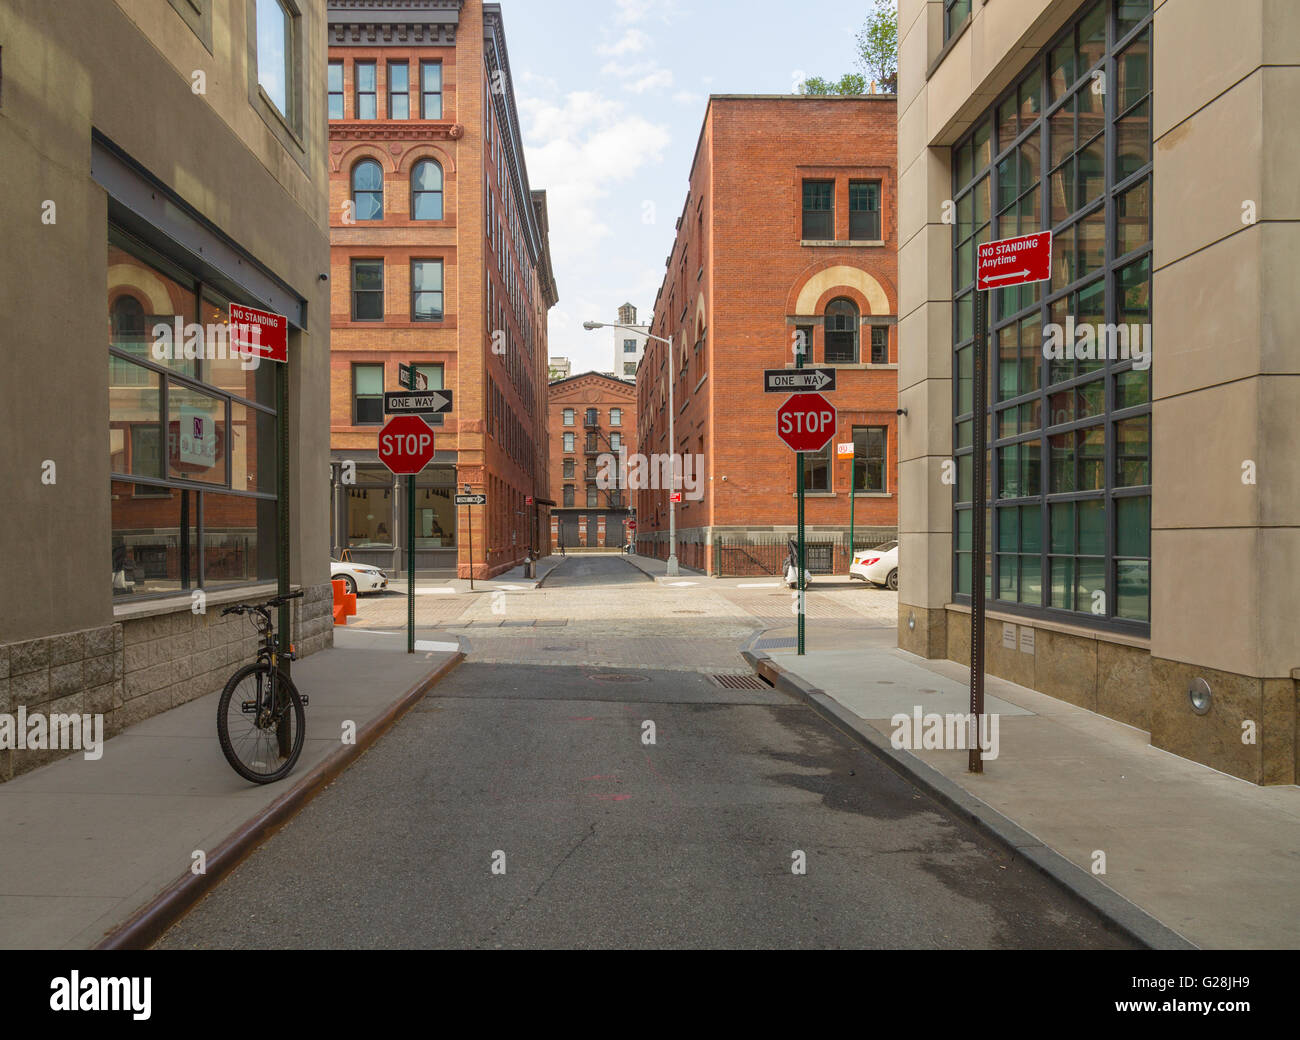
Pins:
x,y
640,76
688,97
634,41
632,11
579,150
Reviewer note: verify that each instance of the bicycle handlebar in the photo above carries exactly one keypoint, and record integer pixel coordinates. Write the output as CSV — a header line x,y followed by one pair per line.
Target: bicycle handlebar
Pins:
x,y
271,604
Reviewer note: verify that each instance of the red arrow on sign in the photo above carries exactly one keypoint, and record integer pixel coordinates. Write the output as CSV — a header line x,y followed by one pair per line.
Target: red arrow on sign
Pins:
x,y
406,445
806,422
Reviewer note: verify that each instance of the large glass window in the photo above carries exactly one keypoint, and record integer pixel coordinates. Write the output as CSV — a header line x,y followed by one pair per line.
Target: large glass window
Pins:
x,y
399,90
1069,388
192,433
869,458
841,332
426,191
368,190
367,395
367,290
864,211
335,90
954,15
818,211
367,105
430,90
274,52
426,290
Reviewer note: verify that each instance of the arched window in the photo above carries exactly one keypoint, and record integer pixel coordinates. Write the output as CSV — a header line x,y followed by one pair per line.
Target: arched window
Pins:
x,y
426,191
127,315
841,333
368,190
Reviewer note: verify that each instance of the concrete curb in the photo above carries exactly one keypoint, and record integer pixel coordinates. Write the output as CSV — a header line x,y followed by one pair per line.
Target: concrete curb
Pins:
x,y
147,924
547,576
1123,915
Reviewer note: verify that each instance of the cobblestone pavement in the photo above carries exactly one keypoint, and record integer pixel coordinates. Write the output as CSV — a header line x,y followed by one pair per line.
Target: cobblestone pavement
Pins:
x,y
697,625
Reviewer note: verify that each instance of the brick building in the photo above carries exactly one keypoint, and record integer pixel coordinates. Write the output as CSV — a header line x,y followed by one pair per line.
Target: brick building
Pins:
x,y
788,236
592,420
440,259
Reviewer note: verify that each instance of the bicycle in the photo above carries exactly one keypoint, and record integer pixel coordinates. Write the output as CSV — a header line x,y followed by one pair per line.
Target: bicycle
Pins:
x,y
267,717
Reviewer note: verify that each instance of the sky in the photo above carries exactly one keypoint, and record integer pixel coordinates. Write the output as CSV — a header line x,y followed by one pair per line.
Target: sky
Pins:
x,y
611,96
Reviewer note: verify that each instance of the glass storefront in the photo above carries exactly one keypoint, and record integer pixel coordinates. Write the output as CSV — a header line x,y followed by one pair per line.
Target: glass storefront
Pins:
x,y
373,506
192,434
1067,149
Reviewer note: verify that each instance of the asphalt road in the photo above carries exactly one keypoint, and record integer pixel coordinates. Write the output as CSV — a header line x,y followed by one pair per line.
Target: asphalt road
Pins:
x,y
578,571
608,841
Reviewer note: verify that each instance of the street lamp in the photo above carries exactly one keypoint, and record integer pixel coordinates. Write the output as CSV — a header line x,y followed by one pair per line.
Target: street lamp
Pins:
x,y
591,326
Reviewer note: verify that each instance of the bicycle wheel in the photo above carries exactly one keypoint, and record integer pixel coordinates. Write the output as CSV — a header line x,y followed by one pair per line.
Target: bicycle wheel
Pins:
x,y
262,749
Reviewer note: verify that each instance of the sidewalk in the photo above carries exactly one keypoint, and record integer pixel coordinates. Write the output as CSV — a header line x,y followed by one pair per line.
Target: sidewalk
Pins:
x,y
86,844
1209,856
658,569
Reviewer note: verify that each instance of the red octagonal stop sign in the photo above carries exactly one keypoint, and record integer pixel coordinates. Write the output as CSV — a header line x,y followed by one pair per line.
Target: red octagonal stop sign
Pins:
x,y
806,422
406,445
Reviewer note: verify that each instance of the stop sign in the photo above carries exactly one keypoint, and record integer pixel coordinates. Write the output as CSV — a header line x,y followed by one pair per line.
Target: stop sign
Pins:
x,y
806,422
406,445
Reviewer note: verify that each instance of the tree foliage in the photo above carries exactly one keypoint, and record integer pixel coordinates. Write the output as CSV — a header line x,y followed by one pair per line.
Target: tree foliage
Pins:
x,y
877,43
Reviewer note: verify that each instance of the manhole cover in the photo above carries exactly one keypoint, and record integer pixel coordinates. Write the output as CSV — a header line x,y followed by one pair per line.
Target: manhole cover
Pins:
x,y
618,677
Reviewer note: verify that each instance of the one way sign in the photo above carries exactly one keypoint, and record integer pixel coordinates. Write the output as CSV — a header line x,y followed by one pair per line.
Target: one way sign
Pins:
x,y
432,402
798,380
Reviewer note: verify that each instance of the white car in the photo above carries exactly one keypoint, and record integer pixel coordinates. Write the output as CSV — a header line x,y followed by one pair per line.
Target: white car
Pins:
x,y
878,565
358,577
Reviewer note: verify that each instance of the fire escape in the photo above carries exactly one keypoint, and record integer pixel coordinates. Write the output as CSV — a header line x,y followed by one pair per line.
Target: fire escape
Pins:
x,y
598,443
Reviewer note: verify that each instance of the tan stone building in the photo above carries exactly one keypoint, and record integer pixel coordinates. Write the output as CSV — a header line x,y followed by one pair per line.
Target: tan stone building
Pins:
x,y
1143,544
162,160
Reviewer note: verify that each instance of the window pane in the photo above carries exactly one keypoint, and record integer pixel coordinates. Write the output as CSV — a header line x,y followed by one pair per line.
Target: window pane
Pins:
x,y
1133,141
154,540
1133,527
1129,12
135,435
1133,589
252,449
1091,448
369,379
1133,68
1133,388
1091,579
1063,528
1092,36
1092,527
196,435
1133,452
1133,218
273,52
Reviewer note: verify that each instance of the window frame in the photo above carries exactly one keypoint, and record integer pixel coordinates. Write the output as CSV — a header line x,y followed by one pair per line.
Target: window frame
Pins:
x,y
441,292
439,192
806,213
858,183
357,367
357,93
405,66
381,291
426,94
855,330
341,93
1027,119
367,161
862,489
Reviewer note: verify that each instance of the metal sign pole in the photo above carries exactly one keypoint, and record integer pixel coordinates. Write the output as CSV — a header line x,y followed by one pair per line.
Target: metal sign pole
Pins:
x,y
799,489
410,564
469,527
979,502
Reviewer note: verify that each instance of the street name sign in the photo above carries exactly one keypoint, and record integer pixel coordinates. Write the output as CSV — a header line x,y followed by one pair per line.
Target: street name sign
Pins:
x,y
259,333
806,422
435,402
471,500
410,379
1014,261
406,445
798,380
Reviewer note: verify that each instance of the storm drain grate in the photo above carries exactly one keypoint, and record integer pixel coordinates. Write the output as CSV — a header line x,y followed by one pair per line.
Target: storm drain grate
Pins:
x,y
780,643
619,677
738,682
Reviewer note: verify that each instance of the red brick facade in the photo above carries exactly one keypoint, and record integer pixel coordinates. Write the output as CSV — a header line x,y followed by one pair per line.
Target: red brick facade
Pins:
x,y
740,282
496,281
601,414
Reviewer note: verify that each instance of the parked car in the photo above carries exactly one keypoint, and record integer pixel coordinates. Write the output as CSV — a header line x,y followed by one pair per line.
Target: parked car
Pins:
x,y
878,566
358,577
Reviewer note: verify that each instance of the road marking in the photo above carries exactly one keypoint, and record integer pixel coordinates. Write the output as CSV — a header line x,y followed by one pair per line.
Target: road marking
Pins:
x,y
764,585
436,648
435,592
681,584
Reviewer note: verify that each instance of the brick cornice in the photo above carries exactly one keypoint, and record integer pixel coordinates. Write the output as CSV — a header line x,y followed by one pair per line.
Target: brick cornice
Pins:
x,y
373,130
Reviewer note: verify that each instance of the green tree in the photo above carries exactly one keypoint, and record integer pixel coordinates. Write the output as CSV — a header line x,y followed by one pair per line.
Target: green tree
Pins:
x,y
878,45
877,42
